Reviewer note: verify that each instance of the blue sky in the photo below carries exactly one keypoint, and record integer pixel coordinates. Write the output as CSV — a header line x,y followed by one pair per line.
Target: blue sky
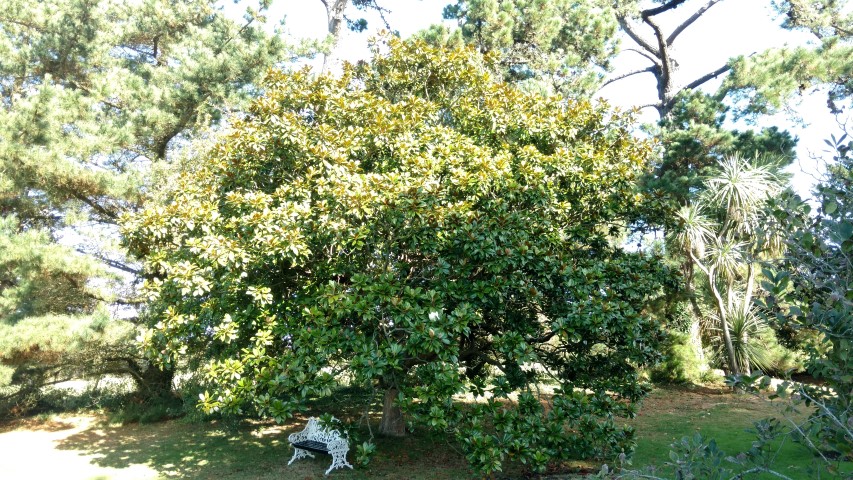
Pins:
x,y
736,27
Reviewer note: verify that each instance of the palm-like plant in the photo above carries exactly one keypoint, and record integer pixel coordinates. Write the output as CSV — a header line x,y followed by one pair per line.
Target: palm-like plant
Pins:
x,y
741,189
727,249
694,230
745,331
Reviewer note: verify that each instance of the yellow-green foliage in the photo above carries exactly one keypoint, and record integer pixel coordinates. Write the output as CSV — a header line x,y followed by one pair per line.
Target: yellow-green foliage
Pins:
x,y
415,224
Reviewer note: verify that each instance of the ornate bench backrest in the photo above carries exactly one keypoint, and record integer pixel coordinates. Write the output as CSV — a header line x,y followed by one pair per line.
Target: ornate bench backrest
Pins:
x,y
318,433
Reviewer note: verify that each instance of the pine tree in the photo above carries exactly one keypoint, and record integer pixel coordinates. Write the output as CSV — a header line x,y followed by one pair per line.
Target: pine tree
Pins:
x,y
93,93
562,46
769,80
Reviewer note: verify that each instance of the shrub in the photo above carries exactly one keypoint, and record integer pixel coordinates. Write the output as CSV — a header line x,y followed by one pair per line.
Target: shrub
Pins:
x,y
679,364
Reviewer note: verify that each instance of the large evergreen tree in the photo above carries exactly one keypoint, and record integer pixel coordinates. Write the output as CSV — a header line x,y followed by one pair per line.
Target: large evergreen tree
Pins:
x,y
574,43
92,94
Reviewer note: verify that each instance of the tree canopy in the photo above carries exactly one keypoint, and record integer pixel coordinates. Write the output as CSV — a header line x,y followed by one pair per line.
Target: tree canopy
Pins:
x,y
560,47
92,93
419,227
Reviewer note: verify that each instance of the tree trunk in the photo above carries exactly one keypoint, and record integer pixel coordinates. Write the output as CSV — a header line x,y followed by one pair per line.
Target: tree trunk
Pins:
x,y
335,18
154,383
392,423
724,324
696,342
727,338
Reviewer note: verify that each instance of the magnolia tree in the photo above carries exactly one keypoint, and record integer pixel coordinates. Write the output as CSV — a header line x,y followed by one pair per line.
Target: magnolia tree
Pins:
x,y
417,227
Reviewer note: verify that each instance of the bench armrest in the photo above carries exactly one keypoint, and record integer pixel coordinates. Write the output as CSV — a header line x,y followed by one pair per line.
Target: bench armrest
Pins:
x,y
338,444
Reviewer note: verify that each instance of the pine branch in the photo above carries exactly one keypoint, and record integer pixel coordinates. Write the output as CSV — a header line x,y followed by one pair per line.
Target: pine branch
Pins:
x,y
109,216
111,263
382,11
704,78
656,106
663,8
652,59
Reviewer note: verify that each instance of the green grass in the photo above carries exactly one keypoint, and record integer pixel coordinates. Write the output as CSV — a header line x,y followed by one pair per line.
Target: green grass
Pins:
x,y
88,448
720,415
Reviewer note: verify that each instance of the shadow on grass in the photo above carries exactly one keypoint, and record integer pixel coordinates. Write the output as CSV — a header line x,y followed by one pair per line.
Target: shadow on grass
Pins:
x,y
177,449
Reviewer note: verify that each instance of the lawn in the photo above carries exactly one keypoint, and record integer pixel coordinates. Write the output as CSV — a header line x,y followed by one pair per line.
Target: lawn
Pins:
x,y
87,447
670,414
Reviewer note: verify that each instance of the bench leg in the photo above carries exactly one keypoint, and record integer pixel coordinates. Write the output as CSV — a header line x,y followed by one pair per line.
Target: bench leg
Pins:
x,y
338,461
299,453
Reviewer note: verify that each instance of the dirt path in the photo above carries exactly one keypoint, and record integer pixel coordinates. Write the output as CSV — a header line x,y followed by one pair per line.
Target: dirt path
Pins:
x,y
29,452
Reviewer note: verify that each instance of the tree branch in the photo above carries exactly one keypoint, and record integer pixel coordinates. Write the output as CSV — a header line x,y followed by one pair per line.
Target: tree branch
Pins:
x,y
626,75
675,33
652,59
656,106
663,8
382,12
110,216
704,78
112,263
631,31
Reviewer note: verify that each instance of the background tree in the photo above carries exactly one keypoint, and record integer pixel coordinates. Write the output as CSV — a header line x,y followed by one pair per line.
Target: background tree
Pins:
x,y
694,140
810,291
92,94
419,228
642,26
560,46
692,133
568,47
336,18
768,81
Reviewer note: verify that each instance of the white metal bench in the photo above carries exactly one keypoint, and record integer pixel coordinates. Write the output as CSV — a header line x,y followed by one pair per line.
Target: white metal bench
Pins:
x,y
316,438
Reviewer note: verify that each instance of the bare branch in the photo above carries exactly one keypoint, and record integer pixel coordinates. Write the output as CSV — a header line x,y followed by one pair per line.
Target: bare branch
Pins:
x,y
656,106
654,60
651,69
675,33
635,36
663,8
111,263
382,12
704,78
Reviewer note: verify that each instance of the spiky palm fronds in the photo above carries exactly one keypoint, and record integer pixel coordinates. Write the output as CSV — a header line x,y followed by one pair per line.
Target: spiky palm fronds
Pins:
x,y
694,230
727,257
742,188
746,331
